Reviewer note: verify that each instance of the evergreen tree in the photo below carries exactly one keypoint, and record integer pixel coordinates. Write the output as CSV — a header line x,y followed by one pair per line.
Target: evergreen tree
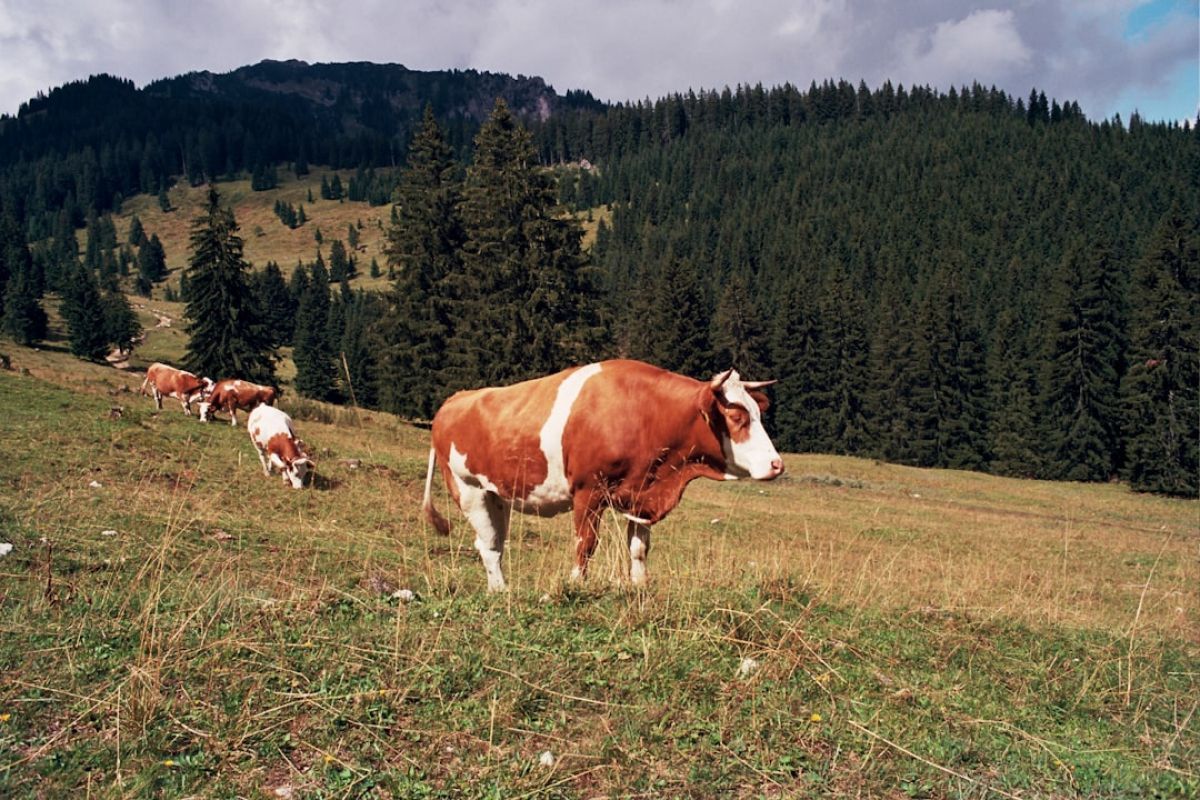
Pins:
x,y
739,336
1161,391
164,202
801,409
846,355
137,234
1080,367
227,336
152,262
275,301
1012,423
339,264
121,326
423,248
316,366
24,319
84,314
375,271
529,303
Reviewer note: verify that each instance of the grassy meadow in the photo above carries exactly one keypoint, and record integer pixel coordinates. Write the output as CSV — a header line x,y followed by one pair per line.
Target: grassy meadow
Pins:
x,y
174,624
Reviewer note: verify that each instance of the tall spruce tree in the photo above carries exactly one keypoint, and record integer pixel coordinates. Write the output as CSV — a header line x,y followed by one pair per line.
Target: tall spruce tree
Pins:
x,y
275,301
227,336
24,319
83,311
316,366
121,326
800,411
528,301
1080,368
423,248
739,337
1161,391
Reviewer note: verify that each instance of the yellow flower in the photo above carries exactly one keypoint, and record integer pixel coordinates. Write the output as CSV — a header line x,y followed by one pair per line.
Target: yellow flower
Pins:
x,y
815,717
328,758
168,762
5,717
822,678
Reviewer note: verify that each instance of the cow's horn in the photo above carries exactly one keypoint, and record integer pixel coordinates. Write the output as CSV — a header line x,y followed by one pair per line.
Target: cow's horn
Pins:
x,y
759,384
719,380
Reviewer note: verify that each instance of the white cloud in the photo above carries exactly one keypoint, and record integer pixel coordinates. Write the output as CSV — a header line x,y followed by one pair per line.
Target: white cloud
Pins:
x,y
983,46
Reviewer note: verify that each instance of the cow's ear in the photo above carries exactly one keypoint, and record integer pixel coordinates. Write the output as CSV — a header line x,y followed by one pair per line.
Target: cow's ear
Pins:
x,y
761,398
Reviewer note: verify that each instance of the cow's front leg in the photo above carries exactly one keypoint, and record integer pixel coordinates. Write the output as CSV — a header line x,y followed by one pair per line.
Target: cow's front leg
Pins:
x,y
233,416
587,518
266,462
638,534
186,402
157,398
488,515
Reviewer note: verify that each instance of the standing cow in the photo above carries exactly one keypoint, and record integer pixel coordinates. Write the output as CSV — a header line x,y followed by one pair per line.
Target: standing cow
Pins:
x,y
617,434
278,448
231,394
164,380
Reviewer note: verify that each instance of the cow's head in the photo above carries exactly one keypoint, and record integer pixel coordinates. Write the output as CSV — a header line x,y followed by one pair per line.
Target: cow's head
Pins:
x,y
297,472
740,405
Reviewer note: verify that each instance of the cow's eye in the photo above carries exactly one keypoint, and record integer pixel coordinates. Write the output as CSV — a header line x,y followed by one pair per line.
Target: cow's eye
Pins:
x,y
737,417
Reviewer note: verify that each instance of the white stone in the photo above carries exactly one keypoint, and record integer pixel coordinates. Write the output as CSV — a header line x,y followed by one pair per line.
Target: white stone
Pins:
x,y
108,533
546,759
5,548
404,595
747,667
95,485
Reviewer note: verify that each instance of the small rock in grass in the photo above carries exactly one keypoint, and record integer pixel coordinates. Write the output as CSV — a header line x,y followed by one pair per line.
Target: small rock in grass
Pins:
x,y
95,485
715,521
404,595
747,667
546,759
5,548
108,533
284,792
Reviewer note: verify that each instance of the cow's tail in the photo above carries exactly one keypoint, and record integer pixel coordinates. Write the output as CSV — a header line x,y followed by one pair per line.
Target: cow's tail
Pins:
x,y
142,391
440,523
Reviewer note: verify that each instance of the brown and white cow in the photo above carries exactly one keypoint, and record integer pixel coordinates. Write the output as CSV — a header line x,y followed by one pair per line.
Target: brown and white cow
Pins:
x,y
232,394
278,448
164,380
617,434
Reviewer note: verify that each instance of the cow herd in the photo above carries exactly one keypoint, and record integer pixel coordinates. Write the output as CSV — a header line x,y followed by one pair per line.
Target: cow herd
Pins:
x,y
620,435
271,430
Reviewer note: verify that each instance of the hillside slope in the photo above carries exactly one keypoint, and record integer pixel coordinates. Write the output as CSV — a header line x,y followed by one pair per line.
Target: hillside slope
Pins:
x,y
177,624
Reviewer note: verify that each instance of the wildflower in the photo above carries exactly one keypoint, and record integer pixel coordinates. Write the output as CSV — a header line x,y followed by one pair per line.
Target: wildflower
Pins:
x,y
815,717
328,758
168,762
5,717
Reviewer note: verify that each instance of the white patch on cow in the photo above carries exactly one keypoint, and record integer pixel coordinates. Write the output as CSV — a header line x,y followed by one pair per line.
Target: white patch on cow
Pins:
x,y
553,495
205,410
756,456
464,477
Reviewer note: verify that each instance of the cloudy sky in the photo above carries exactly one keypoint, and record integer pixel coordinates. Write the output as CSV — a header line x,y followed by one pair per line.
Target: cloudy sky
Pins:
x,y
1110,55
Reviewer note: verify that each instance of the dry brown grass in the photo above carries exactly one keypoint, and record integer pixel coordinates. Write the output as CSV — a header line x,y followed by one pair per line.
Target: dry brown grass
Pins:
x,y
266,238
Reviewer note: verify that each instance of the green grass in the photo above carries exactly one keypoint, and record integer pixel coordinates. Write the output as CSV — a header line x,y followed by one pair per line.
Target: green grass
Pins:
x,y
917,633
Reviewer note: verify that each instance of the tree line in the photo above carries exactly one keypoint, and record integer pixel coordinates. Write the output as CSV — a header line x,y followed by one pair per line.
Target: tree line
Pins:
x,y
959,280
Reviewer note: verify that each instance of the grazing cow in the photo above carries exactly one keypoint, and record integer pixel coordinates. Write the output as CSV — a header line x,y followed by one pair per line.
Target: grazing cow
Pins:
x,y
231,394
166,381
617,434
278,448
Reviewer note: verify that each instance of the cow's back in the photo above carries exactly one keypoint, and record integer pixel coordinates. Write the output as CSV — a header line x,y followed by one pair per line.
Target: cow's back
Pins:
x,y
494,434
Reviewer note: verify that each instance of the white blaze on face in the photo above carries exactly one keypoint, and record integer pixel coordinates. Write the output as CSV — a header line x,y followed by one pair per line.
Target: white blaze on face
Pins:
x,y
755,455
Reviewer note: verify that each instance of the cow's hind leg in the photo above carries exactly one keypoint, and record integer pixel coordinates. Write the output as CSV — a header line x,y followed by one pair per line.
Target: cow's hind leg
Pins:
x,y
157,397
264,460
587,519
233,415
638,534
488,515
